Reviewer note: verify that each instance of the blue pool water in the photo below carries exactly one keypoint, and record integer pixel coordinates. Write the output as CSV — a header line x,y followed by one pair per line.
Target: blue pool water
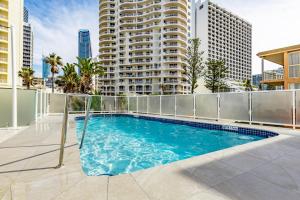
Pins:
x,y
124,144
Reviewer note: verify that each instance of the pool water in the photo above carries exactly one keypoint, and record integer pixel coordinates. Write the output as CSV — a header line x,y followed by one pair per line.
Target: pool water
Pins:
x,y
123,144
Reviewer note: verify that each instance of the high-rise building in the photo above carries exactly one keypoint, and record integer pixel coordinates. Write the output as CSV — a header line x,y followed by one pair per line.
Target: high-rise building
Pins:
x,y
225,36
84,44
27,45
11,16
26,15
143,46
46,68
27,41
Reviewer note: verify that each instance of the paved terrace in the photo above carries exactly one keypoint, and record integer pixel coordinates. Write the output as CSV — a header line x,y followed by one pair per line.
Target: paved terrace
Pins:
x,y
267,169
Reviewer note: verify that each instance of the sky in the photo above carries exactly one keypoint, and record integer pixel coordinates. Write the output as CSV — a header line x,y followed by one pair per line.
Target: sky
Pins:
x,y
275,24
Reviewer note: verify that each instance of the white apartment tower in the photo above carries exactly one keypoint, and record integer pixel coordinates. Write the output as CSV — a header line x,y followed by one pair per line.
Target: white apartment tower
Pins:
x,y
143,45
225,36
27,41
27,45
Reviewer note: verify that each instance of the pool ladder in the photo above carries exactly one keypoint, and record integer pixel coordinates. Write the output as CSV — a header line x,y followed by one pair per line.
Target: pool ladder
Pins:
x,y
65,127
87,116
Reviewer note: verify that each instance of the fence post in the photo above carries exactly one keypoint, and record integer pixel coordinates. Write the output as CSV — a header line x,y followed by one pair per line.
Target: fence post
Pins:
x,y
101,104
175,106
250,107
294,109
218,100
41,103
159,104
137,104
128,99
85,105
115,104
148,104
194,102
36,104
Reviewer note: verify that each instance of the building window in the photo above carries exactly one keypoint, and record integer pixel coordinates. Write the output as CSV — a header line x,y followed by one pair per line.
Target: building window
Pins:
x,y
294,86
294,64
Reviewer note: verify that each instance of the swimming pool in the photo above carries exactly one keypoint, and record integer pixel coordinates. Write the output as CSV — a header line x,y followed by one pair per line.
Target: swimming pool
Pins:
x,y
118,144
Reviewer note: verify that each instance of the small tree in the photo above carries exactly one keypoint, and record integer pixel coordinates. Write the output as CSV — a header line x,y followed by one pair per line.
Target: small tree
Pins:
x,y
271,87
70,79
195,63
54,61
162,88
26,73
88,69
215,74
248,86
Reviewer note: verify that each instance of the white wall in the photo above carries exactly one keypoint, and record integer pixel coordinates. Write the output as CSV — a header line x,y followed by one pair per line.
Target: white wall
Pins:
x,y
15,15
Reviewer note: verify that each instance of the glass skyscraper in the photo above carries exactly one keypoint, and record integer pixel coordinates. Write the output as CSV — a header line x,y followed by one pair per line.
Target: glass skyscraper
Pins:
x,y
46,69
84,44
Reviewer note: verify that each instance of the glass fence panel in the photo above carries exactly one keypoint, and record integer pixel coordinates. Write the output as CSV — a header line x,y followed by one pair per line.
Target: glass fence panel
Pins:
x,y
96,104
122,104
108,104
38,102
142,104
132,104
168,105
185,105
26,106
154,104
77,103
56,103
206,106
234,106
298,107
272,107
5,107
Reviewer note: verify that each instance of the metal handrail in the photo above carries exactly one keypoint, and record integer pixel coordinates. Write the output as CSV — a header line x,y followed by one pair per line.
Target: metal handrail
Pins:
x,y
64,132
86,121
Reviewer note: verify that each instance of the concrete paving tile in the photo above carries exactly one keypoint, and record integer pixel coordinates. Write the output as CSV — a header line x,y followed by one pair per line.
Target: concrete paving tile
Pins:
x,y
167,183
292,142
90,188
249,187
209,194
48,188
242,161
124,187
283,176
271,151
209,173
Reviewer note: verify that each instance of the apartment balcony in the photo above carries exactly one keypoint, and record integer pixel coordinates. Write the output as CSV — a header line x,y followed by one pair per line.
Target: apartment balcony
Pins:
x,y
182,3
182,26
3,50
3,60
4,18
4,7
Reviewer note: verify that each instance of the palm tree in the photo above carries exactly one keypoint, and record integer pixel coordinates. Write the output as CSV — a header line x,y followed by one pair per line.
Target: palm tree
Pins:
x,y
54,61
70,79
163,88
248,86
27,74
88,68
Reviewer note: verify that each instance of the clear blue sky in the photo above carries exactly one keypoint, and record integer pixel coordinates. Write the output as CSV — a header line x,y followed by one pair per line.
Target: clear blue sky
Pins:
x,y
56,23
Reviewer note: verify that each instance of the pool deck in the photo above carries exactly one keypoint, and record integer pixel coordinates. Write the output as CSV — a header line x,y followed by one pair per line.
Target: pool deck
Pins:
x,y
262,170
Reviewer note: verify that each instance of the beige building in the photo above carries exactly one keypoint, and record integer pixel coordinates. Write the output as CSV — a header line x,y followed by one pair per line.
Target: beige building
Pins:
x,y
289,59
143,46
11,15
